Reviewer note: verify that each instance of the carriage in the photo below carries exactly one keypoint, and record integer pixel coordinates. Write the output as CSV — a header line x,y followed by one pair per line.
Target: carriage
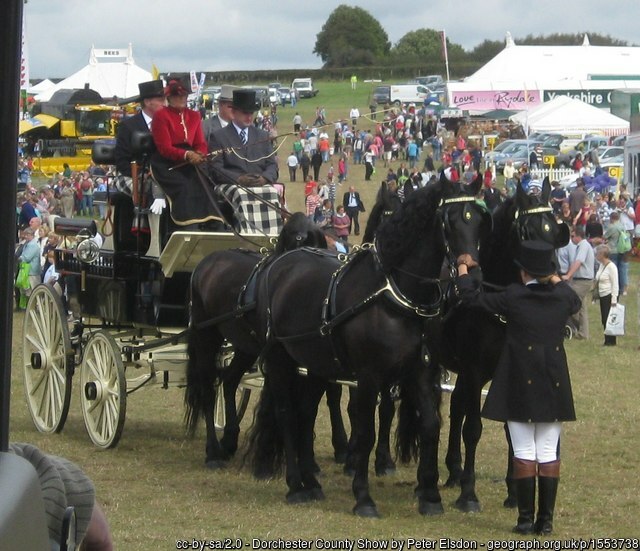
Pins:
x,y
129,322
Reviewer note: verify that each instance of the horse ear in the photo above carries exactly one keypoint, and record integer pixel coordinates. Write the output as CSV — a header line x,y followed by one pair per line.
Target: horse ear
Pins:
x,y
563,236
546,190
443,179
475,186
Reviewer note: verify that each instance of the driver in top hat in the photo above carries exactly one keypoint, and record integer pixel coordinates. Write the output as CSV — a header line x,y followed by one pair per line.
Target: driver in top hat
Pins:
x,y
531,388
151,100
245,154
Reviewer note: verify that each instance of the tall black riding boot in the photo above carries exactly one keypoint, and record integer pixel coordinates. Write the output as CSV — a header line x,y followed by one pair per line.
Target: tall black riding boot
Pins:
x,y
548,477
524,473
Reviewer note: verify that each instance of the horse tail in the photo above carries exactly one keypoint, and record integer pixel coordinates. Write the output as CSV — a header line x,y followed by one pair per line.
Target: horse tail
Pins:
x,y
419,411
407,431
265,449
202,346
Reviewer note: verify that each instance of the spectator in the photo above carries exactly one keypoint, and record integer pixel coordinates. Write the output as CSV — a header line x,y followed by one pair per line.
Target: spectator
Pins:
x,y
341,224
580,277
312,202
292,163
606,288
611,238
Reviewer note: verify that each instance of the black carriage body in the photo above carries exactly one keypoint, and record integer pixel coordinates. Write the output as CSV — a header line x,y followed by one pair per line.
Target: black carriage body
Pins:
x,y
123,289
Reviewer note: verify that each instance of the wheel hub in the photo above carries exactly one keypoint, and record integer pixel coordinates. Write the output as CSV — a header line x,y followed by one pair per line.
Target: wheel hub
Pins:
x,y
40,360
94,390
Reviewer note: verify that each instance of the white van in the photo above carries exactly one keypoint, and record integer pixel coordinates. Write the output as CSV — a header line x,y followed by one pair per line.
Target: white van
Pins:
x,y
397,94
304,87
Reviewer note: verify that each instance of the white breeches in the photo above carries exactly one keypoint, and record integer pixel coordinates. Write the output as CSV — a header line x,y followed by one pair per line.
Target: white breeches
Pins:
x,y
535,441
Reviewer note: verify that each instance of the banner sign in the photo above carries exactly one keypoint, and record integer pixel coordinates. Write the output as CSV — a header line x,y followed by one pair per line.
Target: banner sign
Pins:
x,y
517,100
597,98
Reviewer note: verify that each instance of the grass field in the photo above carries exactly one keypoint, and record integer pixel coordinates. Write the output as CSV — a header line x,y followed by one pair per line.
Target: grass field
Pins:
x,y
156,491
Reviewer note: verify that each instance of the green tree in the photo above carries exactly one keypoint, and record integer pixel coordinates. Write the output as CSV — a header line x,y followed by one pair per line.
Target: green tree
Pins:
x,y
425,45
486,50
351,36
568,39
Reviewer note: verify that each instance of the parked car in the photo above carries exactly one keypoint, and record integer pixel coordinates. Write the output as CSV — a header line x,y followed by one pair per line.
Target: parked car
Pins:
x,y
285,94
565,158
490,155
274,96
606,153
275,85
619,140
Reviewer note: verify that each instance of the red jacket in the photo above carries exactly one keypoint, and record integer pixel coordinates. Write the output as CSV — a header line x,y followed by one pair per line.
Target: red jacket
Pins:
x,y
169,132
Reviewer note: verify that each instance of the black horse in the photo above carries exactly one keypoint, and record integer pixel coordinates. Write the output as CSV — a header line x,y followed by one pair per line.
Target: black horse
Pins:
x,y
218,300
472,343
370,318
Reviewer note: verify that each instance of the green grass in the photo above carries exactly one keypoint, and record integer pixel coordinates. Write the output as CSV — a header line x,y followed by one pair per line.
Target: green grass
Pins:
x,y
155,489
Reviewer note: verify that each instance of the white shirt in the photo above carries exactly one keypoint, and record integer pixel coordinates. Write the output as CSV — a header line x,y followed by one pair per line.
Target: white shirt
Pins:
x,y
607,280
292,161
147,119
354,113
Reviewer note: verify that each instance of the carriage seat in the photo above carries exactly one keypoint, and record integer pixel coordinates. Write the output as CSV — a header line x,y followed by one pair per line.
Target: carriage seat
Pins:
x,y
70,227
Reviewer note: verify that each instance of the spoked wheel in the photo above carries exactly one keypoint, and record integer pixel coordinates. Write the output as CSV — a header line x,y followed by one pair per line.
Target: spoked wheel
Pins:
x,y
103,390
568,332
47,359
223,360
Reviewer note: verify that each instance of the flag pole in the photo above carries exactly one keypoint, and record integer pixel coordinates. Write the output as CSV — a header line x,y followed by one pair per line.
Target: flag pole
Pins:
x,y
446,55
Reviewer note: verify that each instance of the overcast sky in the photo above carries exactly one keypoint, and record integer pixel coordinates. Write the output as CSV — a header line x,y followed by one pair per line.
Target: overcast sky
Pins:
x,y
212,35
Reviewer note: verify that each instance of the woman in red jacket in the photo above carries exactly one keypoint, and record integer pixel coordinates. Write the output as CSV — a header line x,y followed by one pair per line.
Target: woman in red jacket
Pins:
x,y
177,133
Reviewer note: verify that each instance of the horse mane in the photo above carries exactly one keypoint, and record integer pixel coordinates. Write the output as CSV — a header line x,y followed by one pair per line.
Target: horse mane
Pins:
x,y
298,232
397,238
497,248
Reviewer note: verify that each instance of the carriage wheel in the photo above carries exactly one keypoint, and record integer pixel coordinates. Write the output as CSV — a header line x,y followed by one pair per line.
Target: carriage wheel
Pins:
x,y
103,390
223,360
47,359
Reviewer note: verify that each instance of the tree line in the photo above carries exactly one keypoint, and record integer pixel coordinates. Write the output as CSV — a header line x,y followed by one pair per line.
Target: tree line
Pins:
x,y
352,37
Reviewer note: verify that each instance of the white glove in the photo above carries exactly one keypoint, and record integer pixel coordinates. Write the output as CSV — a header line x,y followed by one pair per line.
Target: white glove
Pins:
x,y
158,206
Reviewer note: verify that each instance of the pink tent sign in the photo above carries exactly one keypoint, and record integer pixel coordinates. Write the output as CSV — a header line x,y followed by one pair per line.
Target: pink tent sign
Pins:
x,y
518,100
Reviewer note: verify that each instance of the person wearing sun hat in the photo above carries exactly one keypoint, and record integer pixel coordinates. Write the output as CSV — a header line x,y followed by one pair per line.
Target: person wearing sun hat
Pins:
x,y
181,149
531,388
224,115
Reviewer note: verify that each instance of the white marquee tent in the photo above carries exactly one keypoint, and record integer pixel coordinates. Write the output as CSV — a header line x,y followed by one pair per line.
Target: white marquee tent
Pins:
x,y
529,75
41,87
570,116
119,76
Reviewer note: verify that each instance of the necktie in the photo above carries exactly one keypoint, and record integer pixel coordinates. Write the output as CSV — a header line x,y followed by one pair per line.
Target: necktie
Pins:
x,y
243,136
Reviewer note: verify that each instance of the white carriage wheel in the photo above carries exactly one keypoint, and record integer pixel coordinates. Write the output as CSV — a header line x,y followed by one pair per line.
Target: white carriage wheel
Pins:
x,y
47,359
103,390
223,359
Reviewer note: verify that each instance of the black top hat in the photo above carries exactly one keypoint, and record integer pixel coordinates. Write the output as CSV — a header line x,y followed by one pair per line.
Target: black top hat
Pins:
x,y
536,258
151,89
245,100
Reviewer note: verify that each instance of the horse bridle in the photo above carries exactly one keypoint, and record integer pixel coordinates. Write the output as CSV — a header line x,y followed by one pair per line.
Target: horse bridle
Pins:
x,y
443,213
520,225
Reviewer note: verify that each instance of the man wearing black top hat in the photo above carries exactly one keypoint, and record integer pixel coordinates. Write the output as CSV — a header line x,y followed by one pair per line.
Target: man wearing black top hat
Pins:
x,y
151,100
247,156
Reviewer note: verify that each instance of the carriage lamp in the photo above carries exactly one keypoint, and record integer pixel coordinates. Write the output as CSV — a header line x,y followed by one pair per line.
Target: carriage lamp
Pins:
x,y
87,250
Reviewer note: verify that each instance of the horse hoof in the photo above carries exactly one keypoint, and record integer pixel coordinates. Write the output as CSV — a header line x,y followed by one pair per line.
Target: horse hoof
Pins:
x,y
316,494
215,464
386,471
299,496
467,505
510,503
452,482
366,511
430,508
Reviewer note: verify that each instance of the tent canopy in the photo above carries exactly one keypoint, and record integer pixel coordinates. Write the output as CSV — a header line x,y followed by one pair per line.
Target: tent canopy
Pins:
x,y
119,76
564,114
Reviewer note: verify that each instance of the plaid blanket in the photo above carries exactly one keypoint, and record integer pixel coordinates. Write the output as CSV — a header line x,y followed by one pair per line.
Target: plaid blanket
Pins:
x,y
252,216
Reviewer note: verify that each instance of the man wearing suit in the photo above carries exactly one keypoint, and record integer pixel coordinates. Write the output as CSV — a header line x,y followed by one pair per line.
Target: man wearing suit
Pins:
x,y
151,101
353,206
247,154
224,116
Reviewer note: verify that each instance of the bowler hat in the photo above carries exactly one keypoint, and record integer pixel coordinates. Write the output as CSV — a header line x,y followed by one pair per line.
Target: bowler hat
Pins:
x,y
150,89
226,92
245,100
175,88
536,258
